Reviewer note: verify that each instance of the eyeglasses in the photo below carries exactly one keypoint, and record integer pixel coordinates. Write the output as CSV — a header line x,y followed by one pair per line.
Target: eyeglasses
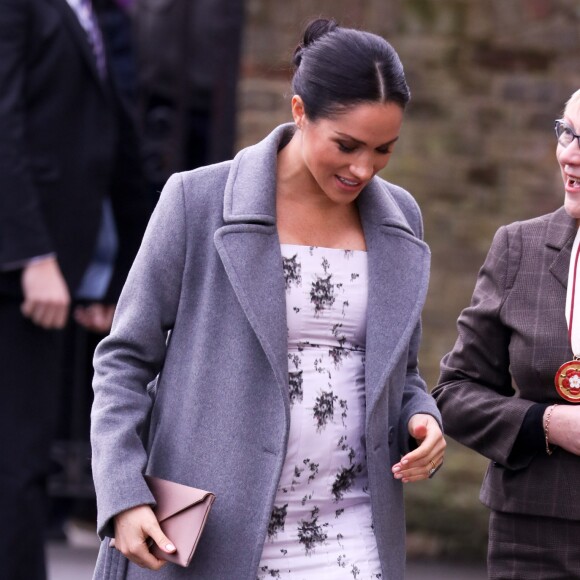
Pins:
x,y
565,133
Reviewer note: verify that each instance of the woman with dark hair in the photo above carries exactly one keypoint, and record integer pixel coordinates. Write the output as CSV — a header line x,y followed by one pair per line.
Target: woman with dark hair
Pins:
x,y
265,345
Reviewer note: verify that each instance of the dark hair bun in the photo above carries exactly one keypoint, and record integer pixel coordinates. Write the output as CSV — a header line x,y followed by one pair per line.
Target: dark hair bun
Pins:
x,y
315,30
338,68
318,28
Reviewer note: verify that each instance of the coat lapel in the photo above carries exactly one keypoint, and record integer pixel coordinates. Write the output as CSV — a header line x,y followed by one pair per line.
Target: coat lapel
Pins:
x,y
398,280
249,248
560,237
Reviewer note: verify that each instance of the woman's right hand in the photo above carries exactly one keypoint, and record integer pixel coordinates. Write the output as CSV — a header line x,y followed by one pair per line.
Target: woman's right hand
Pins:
x,y
564,427
135,528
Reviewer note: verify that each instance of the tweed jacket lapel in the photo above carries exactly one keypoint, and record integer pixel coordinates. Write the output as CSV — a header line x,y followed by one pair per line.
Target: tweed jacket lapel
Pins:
x,y
560,237
398,281
249,247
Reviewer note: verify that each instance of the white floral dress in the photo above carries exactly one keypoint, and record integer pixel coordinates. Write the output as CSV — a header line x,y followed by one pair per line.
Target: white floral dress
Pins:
x,y
321,525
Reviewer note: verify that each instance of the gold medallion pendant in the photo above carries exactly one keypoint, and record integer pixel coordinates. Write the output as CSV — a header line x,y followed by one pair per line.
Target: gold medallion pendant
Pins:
x,y
567,381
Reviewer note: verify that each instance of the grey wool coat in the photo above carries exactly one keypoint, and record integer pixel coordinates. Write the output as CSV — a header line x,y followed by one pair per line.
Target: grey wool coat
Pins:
x,y
192,383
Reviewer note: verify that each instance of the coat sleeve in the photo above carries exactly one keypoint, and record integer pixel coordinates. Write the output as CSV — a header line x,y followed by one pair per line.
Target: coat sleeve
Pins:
x,y
23,233
475,392
132,356
416,399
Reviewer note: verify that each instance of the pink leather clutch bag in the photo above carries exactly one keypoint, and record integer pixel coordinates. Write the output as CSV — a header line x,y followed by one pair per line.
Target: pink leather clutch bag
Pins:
x,y
182,512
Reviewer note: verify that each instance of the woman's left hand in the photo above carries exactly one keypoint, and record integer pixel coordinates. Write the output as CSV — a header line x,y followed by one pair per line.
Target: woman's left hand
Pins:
x,y
422,462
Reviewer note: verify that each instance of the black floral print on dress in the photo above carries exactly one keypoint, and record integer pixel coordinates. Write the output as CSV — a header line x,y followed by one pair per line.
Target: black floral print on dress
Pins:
x,y
313,467
310,533
344,480
338,353
301,345
324,408
344,446
295,385
320,368
277,520
295,360
308,465
343,403
268,573
322,293
292,269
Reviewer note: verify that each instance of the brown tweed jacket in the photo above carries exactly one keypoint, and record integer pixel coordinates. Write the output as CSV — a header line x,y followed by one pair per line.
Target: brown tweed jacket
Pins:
x,y
512,339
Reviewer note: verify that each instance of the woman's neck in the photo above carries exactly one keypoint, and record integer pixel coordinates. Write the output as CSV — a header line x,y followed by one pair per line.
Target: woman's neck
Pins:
x,y
305,215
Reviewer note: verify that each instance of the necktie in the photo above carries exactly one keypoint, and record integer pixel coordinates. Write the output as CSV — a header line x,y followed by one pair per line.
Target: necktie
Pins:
x,y
88,21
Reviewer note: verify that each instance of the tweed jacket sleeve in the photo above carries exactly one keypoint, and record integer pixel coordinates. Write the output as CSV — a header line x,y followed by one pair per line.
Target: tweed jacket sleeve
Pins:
x,y
475,392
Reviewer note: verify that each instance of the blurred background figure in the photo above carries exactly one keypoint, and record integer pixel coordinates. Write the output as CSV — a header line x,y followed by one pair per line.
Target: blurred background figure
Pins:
x,y
70,485
187,90
183,98
73,207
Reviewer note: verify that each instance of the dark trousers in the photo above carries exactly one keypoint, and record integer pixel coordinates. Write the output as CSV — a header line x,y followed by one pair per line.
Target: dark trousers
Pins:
x,y
30,362
525,547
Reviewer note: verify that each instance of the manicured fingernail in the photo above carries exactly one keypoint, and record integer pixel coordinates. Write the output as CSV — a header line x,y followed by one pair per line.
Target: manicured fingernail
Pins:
x,y
397,468
170,547
405,461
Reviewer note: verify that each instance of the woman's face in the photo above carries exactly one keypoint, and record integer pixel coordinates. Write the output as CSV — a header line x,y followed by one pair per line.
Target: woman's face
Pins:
x,y
569,161
343,153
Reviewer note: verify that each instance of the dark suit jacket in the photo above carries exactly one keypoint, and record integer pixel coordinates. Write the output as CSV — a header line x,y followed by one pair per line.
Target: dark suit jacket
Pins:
x,y
65,143
512,340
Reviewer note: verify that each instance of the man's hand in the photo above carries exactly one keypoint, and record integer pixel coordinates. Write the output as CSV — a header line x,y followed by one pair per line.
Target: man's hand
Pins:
x,y
46,295
95,317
